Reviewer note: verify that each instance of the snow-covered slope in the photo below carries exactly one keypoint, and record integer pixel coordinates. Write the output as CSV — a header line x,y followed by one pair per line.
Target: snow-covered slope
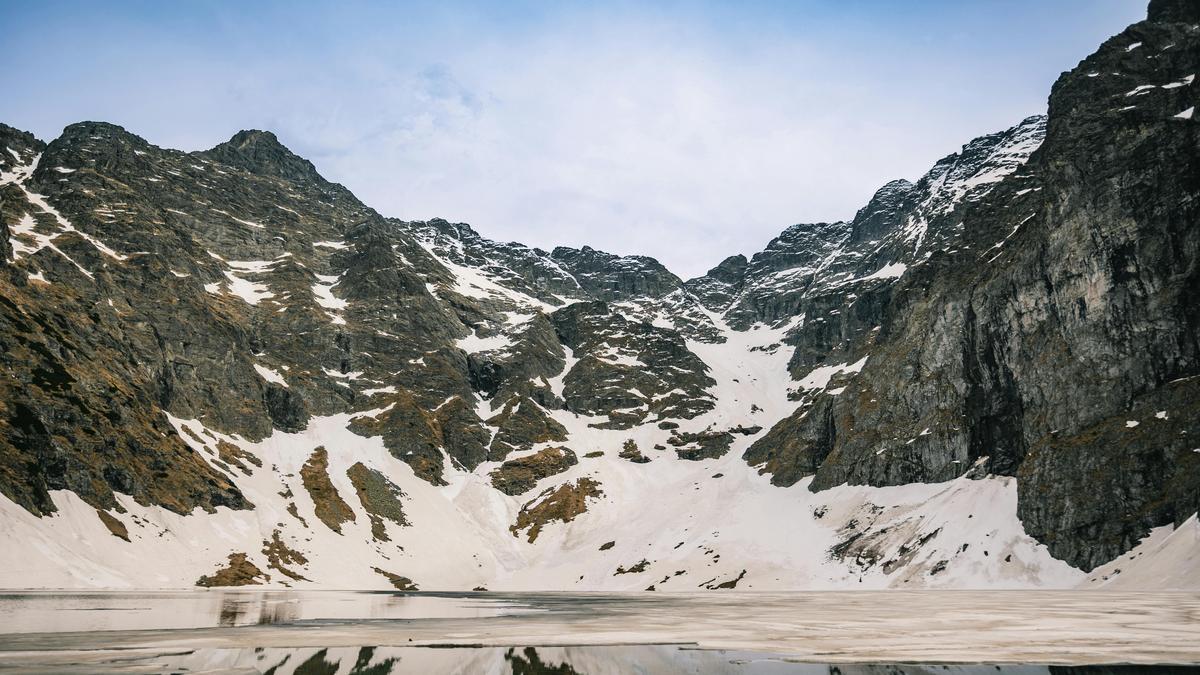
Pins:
x,y
669,524
222,369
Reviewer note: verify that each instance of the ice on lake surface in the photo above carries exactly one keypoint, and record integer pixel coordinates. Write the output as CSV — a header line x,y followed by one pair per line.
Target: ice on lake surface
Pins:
x,y
650,659
285,632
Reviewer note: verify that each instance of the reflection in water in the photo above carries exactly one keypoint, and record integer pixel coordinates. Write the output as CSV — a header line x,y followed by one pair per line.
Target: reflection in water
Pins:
x,y
250,610
58,612
321,664
650,659
528,663
247,631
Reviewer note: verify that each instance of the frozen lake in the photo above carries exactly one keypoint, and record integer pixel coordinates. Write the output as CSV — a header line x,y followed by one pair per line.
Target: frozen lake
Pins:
x,y
286,632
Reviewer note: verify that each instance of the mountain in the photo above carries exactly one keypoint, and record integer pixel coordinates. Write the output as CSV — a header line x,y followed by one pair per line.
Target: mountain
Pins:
x,y
223,369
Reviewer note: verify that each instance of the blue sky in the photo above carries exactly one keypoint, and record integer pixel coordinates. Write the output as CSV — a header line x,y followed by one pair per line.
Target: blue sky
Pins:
x,y
684,130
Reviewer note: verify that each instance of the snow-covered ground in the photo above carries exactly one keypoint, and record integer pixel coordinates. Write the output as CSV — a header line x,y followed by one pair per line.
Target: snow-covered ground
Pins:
x,y
691,529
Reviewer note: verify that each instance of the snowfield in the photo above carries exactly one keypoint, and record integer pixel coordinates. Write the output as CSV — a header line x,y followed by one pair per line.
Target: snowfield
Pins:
x,y
670,524
690,528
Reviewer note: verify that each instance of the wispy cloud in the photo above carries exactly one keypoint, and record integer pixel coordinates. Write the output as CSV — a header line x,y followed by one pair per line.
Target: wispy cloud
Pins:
x,y
687,132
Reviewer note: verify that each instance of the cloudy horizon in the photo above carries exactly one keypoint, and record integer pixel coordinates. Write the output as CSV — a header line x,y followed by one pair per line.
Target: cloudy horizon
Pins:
x,y
683,131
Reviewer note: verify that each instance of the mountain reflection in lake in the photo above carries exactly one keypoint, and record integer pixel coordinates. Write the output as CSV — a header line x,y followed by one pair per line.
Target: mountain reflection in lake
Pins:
x,y
606,660
67,612
287,632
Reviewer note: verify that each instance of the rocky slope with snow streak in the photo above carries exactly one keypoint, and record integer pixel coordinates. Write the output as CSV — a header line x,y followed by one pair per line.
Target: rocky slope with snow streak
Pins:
x,y
223,369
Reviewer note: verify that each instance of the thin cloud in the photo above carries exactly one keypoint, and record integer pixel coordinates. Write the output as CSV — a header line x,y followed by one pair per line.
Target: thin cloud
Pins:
x,y
683,132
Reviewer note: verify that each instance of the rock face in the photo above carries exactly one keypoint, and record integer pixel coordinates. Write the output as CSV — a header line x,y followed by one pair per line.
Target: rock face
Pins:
x,y
261,153
632,372
380,498
239,572
1061,343
518,476
605,276
562,504
180,330
329,505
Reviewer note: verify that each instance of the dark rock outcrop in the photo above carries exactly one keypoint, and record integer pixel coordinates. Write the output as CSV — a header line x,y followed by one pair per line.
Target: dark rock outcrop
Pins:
x,y
631,372
261,152
239,572
518,476
1059,345
561,504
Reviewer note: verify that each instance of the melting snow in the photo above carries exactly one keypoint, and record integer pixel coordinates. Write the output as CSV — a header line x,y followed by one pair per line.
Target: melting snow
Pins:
x,y
323,294
891,271
556,383
251,223
1181,83
819,378
270,375
353,375
251,292
252,266
473,343
474,283
1167,558
26,226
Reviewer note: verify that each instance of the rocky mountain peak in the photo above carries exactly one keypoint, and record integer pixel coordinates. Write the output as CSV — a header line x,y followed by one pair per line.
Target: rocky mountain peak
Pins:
x,y
612,277
879,215
261,152
91,128
730,269
720,285
16,147
11,136
1174,11
892,188
96,145
799,244
101,138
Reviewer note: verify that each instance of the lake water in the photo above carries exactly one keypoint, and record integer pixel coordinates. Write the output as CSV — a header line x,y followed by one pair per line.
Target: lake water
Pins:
x,y
302,632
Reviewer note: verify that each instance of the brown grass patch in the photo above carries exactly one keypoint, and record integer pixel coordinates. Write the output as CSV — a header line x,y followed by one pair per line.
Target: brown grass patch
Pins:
x,y
561,504
113,524
380,497
330,508
399,582
239,572
279,555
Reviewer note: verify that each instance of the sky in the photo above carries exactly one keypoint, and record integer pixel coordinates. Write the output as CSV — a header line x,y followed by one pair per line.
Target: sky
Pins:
x,y
688,131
